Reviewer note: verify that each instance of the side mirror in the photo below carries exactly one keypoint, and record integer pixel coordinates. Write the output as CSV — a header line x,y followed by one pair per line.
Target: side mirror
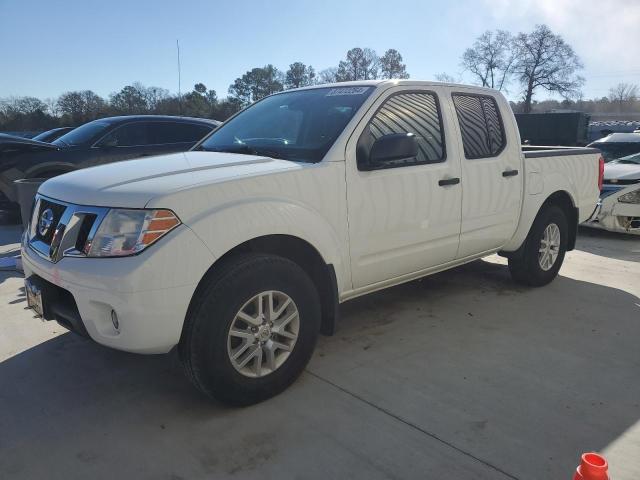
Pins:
x,y
395,146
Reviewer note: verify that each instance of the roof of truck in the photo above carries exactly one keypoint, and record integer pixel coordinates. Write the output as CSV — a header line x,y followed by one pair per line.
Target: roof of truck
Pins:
x,y
392,82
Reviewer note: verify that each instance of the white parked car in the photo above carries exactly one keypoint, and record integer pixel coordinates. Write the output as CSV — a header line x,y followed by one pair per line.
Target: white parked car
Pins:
x,y
240,251
619,206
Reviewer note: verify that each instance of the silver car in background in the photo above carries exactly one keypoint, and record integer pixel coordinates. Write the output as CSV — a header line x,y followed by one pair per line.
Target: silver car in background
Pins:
x,y
619,207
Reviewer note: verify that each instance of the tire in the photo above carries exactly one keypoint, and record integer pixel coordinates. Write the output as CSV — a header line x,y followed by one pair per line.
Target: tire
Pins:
x,y
530,268
207,346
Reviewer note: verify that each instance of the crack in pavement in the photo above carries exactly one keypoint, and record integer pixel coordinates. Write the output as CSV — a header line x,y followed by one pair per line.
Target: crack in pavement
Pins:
x,y
411,425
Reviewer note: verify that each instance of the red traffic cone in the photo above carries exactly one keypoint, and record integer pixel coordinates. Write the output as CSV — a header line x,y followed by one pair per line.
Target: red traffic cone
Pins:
x,y
592,467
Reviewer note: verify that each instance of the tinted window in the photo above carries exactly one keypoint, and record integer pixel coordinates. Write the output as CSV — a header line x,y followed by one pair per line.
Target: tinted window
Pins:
x,y
480,125
83,134
299,125
416,113
129,135
611,151
173,132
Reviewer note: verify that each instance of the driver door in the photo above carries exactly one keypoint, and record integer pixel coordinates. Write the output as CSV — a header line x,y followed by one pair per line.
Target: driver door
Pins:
x,y
404,216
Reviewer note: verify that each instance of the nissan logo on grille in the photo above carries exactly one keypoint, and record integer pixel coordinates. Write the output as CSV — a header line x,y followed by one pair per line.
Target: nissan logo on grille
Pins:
x,y
45,222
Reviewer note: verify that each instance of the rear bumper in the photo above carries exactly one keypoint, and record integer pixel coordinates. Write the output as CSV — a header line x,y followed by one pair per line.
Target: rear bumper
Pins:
x,y
150,293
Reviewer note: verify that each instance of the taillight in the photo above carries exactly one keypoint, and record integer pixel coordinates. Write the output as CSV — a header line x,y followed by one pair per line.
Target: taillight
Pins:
x,y
600,172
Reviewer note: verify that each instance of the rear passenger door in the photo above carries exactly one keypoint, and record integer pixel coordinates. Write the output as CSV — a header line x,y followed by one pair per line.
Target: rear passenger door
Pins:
x,y
491,176
405,216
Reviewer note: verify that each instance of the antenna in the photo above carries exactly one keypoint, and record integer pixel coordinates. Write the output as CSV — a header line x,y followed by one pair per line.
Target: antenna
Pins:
x,y
179,79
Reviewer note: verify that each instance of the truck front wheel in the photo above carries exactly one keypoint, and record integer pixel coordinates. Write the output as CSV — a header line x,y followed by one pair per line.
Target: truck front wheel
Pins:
x,y
251,329
544,249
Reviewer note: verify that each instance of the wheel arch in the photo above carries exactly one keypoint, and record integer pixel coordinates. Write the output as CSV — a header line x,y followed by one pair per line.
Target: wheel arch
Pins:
x,y
559,198
298,251
563,200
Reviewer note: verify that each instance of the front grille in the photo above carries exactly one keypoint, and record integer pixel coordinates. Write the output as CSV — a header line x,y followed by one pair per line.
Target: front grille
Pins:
x,y
72,228
58,210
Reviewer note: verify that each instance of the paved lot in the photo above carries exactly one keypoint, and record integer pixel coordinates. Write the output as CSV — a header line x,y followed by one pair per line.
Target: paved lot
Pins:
x,y
460,376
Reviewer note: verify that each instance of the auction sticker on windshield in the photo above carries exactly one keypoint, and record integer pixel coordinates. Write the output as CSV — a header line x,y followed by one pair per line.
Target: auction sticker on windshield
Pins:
x,y
334,92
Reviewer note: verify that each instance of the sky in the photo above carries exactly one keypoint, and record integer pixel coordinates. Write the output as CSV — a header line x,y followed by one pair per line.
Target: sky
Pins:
x,y
47,47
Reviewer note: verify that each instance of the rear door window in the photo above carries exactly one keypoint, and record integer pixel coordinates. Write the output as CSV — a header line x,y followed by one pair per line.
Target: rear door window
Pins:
x,y
480,124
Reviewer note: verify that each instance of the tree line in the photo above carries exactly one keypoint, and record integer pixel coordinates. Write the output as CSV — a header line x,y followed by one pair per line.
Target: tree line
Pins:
x,y
78,107
526,63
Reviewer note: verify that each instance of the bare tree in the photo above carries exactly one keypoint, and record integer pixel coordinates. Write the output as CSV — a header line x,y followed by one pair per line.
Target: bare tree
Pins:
x,y
544,60
490,59
328,75
391,65
52,106
624,95
80,106
360,64
445,78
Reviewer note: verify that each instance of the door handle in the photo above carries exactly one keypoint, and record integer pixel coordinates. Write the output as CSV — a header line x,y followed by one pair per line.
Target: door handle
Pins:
x,y
509,173
448,181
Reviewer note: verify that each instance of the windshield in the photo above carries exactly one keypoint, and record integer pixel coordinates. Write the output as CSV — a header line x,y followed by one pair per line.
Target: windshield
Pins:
x,y
629,159
299,125
612,151
82,134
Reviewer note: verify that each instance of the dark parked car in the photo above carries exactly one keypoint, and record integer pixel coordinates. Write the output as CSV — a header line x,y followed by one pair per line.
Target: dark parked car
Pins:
x,y
101,141
51,135
617,145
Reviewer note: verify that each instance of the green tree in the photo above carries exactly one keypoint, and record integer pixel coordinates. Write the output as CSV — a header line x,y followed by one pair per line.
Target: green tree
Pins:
x,y
130,100
360,64
255,84
299,75
200,102
391,65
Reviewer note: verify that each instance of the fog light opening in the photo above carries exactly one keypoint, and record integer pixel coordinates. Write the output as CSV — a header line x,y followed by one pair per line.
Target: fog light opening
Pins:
x,y
115,321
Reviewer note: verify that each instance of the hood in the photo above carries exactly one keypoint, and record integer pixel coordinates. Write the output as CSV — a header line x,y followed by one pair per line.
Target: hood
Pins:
x,y
134,183
621,171
11,143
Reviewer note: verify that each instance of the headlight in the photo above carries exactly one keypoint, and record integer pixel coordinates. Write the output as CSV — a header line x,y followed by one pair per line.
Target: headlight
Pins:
x,y
127,232
631,197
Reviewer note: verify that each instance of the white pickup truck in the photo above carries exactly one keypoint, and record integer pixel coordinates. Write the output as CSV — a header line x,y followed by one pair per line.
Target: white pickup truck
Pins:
x,y
240,251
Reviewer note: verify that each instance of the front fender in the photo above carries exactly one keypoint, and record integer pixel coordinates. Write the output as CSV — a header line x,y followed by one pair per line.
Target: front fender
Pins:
x,y
229,225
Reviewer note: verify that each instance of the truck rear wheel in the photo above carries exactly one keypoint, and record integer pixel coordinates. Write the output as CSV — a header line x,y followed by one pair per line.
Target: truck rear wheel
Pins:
x,y
544,249
251,330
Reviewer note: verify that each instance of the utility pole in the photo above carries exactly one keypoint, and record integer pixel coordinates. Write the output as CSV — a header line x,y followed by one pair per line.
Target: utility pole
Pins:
x,y
179,79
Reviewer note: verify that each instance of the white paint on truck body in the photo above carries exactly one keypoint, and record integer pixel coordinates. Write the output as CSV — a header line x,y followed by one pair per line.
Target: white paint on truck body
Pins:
x,y
376,228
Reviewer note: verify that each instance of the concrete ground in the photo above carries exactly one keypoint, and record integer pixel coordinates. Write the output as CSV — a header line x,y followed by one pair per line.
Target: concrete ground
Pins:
x,y
462,375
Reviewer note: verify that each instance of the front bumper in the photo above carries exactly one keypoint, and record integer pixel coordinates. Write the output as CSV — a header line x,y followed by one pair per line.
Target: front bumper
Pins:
x,y
149,292
616,216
